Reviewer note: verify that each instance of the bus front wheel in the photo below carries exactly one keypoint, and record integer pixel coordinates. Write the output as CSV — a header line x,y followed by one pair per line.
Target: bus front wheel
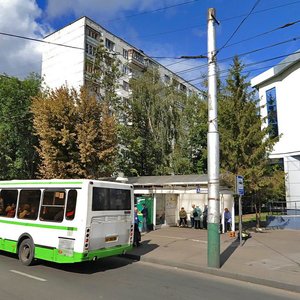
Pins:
x,y
26,252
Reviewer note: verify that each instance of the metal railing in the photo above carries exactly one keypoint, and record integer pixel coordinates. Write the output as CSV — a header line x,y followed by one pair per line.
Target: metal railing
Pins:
x,y
283,207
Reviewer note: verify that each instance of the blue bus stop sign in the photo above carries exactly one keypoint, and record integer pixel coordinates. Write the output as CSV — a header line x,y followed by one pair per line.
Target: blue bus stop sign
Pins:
x,y
240,185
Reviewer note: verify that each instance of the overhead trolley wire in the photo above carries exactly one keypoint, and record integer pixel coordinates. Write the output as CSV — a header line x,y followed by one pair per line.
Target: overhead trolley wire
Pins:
x,y
242,54
38,40
151,11
221,21
239,26
264,33
260,62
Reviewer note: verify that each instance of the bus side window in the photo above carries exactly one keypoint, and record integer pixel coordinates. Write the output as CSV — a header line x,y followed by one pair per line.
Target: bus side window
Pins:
x,y
71,205
9,198
53,205
29,203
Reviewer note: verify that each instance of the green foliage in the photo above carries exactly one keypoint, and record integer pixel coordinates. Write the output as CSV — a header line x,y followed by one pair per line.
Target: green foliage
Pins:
x,y
103,79
195,119
156,142
77,137
18,158
244,144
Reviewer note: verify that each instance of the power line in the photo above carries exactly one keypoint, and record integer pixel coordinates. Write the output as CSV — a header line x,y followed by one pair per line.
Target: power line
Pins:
x,y
170,31
248,39
151,11
38,40
221,20
260,62
164,57
260,11
241,23
242,54
264,33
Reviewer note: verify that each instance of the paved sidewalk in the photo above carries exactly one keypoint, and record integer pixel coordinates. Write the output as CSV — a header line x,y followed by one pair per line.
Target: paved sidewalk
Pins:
x,y
270,258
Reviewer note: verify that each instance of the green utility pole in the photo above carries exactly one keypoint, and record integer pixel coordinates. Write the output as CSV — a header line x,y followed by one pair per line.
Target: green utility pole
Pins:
x,y
213,247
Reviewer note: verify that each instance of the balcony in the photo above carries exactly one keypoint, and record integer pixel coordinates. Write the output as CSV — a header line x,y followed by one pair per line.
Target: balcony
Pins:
x,y
136,59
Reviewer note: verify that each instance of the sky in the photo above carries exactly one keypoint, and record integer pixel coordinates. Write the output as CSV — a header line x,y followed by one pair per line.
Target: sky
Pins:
x,y
165,29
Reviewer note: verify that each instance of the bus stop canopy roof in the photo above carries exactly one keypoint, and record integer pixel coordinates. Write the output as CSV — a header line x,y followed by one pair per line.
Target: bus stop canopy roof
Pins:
x,y
170,180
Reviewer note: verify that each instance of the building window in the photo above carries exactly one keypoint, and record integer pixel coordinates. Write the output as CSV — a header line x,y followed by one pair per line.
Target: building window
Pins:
x,y
93,33
89,49
167,79
125,86
182,88
109,45
137,56
125,53
175,84
125,70
272,111
89,68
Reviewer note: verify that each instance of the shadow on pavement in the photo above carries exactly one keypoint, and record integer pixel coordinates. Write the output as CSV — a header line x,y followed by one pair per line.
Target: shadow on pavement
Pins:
x,y
144,248
90,267
229,251
105,264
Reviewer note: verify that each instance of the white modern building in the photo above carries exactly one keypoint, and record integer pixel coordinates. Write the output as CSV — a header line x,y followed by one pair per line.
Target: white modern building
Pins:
x,y
279,92
68,57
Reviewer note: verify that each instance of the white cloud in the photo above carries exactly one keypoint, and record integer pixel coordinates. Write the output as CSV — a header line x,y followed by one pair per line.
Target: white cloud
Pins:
x,y
18,56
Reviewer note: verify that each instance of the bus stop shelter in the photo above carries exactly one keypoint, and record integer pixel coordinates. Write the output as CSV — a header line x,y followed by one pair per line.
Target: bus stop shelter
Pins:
x,y
165,195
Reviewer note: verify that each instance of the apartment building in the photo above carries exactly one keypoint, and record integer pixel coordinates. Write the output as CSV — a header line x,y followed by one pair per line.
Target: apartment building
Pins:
x,y
279,92
67,58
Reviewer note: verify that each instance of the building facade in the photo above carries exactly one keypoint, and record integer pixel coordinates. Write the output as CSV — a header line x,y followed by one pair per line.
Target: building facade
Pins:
x,y
68,58
279,92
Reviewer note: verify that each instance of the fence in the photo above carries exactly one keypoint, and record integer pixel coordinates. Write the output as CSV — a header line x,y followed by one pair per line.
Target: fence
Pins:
x,y
283,215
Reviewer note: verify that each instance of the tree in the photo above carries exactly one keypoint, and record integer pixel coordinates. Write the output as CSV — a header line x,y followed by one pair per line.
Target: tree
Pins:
x,y
76,135
155,141
18,157
244,143
104,77
195,117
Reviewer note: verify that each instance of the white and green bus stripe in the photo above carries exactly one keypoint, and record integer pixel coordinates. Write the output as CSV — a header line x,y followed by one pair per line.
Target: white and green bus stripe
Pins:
x,y
55,255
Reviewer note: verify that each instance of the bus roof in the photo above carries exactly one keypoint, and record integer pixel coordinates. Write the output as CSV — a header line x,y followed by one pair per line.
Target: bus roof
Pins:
x,y
56,182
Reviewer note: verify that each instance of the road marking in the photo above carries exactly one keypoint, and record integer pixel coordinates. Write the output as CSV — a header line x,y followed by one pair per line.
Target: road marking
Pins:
x,y
199,241
27,275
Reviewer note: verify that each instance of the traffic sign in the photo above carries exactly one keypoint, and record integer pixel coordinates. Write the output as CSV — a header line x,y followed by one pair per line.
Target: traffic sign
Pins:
x,y
240,185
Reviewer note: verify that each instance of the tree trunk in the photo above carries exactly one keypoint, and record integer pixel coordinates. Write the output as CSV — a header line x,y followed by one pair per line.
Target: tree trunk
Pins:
x,y
257,211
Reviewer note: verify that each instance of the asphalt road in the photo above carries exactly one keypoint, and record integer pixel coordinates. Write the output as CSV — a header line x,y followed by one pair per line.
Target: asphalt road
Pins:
x,y
120,278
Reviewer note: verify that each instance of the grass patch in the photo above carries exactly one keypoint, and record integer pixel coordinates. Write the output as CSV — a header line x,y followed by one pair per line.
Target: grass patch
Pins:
x,y
249,220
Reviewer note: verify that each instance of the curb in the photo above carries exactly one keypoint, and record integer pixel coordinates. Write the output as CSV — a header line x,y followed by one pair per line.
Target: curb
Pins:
x,y
216,272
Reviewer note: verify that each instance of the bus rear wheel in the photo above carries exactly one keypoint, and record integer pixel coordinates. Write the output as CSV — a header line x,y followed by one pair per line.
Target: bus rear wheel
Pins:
x,y
26,252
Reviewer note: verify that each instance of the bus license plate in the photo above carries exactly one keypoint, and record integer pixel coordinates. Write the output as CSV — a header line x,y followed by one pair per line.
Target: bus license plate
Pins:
x,y
111,238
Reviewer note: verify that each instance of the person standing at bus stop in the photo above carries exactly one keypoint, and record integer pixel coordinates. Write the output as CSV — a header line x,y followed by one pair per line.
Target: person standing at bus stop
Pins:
x,y
136,232
145,216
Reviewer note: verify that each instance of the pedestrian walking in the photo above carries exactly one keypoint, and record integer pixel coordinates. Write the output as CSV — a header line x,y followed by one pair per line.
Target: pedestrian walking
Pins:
x,y
182,217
